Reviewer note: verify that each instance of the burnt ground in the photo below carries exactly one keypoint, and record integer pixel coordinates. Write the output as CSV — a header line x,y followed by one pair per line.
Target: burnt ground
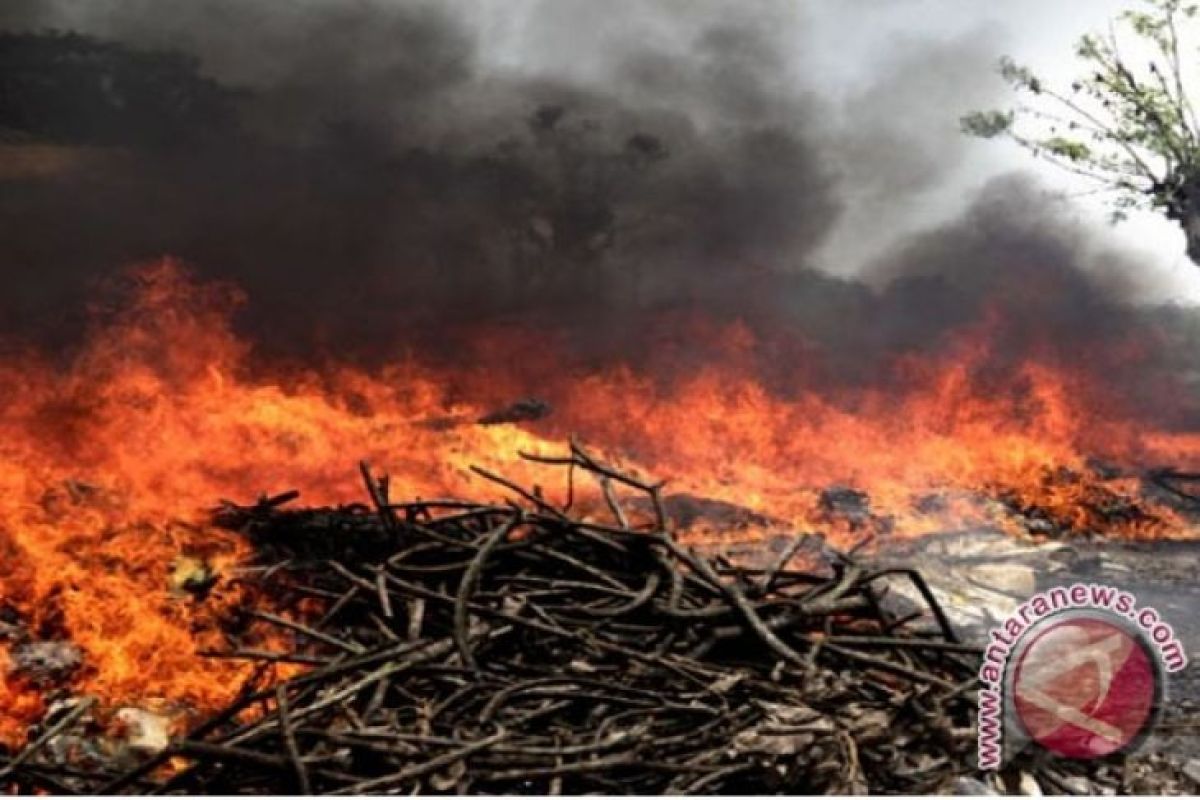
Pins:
x,y
1166,576
982,575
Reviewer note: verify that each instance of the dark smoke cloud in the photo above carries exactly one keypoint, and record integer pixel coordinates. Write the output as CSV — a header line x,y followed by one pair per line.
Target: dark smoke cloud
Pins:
x,y
1012,252
372,182
378,177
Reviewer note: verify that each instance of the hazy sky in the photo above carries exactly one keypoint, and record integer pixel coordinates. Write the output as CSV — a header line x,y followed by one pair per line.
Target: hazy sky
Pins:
x,y
890,78
856,51
1041,34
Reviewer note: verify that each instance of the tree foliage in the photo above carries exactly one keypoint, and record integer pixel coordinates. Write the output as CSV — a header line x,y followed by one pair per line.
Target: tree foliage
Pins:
x,y
1127,123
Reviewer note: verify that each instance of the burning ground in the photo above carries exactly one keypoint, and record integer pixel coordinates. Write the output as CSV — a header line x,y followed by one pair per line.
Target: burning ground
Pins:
x,y
111,461
397,254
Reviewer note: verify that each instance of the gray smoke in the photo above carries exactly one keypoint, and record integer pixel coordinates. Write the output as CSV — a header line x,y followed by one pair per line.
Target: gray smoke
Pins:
x,y
378,173
370,171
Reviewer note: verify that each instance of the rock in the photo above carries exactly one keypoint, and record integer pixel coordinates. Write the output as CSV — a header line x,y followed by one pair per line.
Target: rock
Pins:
x,y
1191,770
46,662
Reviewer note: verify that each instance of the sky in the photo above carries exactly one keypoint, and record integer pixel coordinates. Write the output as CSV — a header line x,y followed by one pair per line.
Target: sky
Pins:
x,y
849,47
1037,33
888,80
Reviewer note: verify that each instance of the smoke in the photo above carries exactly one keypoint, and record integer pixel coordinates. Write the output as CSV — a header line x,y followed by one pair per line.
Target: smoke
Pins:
x,y
376,174
370,174
898,141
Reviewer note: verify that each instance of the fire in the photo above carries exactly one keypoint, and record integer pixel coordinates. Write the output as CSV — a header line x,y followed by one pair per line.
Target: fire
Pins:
x,y
108,464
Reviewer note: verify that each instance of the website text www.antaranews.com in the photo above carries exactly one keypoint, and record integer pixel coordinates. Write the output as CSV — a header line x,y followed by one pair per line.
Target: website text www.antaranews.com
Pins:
x,y
1079,596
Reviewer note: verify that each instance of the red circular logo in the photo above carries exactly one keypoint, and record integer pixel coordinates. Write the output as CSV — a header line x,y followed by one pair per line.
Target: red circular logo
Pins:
x,y
1084,687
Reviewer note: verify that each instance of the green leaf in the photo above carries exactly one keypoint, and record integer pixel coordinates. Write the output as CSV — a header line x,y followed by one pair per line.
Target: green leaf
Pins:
x,y
1067,148
987,124
1120,123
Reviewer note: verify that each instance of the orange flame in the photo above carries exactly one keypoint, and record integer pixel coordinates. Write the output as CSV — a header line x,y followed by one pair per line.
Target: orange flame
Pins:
x,y
107,464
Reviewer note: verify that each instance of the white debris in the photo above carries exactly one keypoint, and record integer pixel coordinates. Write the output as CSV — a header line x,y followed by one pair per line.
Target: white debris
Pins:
x,y
1029,786
144,731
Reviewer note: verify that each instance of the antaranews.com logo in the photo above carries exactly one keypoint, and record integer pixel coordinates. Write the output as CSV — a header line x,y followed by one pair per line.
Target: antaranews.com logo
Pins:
x,y
1078,670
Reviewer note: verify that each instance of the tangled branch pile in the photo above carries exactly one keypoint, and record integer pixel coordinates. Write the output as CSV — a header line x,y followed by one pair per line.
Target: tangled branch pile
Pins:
x,y
452,646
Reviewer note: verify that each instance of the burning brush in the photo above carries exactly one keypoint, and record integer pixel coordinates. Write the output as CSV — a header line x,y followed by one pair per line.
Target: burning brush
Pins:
x,y
443,645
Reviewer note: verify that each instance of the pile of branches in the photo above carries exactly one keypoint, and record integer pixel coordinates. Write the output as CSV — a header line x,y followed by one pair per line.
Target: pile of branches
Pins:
x,y
518,647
